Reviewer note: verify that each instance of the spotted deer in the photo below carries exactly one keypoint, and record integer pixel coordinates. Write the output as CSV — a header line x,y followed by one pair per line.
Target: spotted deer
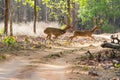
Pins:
x,y
55,31
84,33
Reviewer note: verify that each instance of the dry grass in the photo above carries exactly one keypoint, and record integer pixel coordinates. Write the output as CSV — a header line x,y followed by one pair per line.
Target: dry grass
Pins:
x,y
27,28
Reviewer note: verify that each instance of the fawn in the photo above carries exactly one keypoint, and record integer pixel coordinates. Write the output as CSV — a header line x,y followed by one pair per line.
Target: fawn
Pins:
x,y
55,31
84,33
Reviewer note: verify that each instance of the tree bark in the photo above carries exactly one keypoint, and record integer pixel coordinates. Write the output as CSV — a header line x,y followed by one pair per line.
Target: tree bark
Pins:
x,y
6,17
68,12
74,16
35,16
13,7
11,19
25,14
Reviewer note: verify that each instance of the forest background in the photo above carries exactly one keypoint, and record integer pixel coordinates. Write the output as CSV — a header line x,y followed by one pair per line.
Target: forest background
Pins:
x,y
80,14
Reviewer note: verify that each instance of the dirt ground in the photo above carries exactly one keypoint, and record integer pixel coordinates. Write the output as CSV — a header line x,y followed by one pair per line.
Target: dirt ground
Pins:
x,y
59,60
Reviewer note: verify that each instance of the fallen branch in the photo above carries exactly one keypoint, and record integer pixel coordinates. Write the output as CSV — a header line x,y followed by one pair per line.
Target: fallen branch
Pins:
x,y
111,45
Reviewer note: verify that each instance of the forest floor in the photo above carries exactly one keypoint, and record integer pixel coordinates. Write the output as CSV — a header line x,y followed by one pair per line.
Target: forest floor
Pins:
x,y
33,58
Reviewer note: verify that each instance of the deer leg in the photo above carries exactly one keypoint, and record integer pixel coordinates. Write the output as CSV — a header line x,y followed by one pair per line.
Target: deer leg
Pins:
x,y
92,37
56,36
49,36
71,38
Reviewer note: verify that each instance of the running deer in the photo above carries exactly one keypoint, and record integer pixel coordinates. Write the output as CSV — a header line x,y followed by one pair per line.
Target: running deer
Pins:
x,y
55,31
97,21
84,33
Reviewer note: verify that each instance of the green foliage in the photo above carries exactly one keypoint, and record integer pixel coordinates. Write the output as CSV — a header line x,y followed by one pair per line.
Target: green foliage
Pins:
x,y
89,9
57,6
9,40
63,27
67,43
53,56
107,28
18,0
3,57
31,3
117,65
86,68
38,8
83,57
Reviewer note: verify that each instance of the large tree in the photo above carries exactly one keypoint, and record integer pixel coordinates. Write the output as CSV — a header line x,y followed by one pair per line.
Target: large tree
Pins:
x,y
6,17
13,7
103,9
35,16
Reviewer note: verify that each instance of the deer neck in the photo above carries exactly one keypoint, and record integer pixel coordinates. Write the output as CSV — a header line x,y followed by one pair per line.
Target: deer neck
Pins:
x,y
66,28
93,30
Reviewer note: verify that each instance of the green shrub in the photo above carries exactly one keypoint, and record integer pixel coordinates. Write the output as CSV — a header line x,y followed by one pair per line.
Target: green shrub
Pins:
x,y
3,57
83,57
107,28
9,40
63,27
117,65
85,68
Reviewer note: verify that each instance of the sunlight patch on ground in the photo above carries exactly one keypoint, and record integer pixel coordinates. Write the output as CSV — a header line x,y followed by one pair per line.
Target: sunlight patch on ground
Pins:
x,y
50,72
49,66
8,69
106,36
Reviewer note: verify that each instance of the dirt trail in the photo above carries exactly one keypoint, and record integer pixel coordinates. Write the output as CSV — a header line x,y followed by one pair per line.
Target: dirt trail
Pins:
x,y
8,69
19,69
29,67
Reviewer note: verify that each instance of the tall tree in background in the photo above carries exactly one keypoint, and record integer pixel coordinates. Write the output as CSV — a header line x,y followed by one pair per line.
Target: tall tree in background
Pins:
x,y
59,9
11,19
6,17
74,14
82,12
35,16
68,13
13,7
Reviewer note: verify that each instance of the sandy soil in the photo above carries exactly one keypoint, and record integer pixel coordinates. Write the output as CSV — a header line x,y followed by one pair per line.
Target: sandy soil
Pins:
x,y
58,62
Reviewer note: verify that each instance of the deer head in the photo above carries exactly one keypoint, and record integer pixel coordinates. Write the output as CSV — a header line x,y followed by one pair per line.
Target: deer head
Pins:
x,y
97,27
98,21
68,27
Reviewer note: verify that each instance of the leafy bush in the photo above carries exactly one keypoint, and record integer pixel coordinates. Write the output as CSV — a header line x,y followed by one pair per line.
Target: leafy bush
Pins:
x,y
108,28
86,68
9,40
63,27
3,57
117,65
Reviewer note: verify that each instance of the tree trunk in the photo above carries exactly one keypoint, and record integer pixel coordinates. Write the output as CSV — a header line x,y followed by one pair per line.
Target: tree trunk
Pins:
x,y
74,16
35,16
6,17
46,16
2,6
68,13
13,7
11,21
25,14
